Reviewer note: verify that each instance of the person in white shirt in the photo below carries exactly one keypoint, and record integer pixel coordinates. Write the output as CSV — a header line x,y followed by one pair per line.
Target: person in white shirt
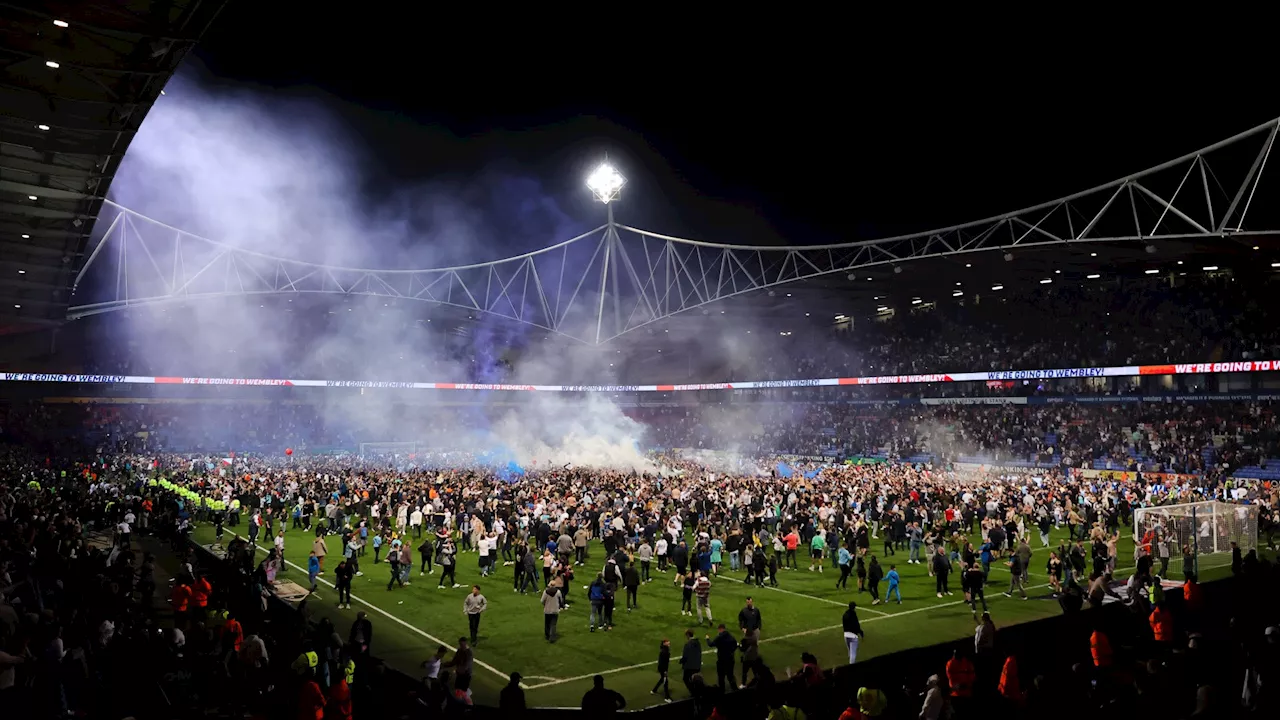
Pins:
x,y
123,530
431,666
484,547
415,522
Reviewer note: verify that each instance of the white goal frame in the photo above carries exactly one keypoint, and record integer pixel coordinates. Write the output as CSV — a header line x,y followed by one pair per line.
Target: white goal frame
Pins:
x,y
1223,522
390,448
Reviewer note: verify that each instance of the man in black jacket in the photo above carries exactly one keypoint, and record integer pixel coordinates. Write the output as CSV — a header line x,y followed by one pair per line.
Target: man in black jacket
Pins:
x,y
749,619
852,631
361,636
725,646
631,581
690,659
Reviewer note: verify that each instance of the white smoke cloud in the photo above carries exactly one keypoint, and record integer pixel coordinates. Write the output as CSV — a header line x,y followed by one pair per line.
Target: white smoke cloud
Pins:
x,y
280,176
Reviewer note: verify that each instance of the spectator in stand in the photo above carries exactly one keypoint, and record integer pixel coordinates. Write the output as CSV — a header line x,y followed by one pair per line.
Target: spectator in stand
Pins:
x,y
600,701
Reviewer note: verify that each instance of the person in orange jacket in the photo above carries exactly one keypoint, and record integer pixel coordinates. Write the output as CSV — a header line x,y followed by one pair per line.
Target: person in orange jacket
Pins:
x,y
1009,687
200,591
960,676
1192,595
180,598
1100,648
1162,624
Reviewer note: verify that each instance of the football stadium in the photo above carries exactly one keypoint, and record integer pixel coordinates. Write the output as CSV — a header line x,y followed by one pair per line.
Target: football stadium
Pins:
x,y
290,432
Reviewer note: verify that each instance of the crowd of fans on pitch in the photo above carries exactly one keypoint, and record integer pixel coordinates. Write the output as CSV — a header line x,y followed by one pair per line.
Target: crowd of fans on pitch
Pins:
x,y
81,622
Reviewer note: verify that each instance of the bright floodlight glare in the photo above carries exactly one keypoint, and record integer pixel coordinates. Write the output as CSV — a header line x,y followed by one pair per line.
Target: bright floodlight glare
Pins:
x,y
606,183
61,23
1094,276
52,64
1210,268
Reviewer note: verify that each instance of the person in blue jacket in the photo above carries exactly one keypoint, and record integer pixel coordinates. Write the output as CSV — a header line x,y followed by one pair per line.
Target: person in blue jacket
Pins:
x,y
313,569
595,594
893,579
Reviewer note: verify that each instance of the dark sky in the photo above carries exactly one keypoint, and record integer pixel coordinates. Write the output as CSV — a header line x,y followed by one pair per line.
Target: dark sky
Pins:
x,y
754,131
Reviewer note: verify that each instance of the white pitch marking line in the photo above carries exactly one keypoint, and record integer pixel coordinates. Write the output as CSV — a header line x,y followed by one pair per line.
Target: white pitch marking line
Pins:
x,y
812,631
882,616
393,618
802,595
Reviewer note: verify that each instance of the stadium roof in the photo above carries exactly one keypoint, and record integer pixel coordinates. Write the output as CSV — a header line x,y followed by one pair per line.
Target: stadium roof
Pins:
x,y
936,280
77,78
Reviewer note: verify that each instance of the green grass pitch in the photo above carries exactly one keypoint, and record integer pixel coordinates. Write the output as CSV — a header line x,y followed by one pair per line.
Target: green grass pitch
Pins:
x,y
802,614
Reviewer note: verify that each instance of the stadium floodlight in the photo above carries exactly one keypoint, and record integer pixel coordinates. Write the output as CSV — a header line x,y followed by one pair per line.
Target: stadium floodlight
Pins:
x,y
52,64
61,23
1210,268
1094,276
997,287
957,293
605,182
1152,272
1046,281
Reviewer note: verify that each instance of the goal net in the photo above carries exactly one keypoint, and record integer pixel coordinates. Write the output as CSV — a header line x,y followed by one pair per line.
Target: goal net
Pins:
x,y
388,450
1200,528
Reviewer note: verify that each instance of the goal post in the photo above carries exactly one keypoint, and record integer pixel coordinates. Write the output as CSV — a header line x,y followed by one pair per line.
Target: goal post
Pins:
x,y
373,450
1201,528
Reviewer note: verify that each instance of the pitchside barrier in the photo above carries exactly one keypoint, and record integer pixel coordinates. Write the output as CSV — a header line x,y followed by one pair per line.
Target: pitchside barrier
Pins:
x,y
1247,366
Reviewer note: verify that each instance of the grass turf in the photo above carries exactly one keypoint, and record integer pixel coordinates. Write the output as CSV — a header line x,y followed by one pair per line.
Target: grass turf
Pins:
x,y
802,614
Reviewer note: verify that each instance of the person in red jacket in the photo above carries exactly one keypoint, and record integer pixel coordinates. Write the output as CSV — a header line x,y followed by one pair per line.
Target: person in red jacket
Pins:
x,y
234,630
339,707
311,701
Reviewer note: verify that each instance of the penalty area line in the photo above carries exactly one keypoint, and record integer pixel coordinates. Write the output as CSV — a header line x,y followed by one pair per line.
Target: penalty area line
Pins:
x,y
397,620
802,633
800,595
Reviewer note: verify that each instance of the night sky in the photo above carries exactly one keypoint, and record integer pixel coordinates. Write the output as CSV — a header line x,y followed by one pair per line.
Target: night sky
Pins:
x,y
799,138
